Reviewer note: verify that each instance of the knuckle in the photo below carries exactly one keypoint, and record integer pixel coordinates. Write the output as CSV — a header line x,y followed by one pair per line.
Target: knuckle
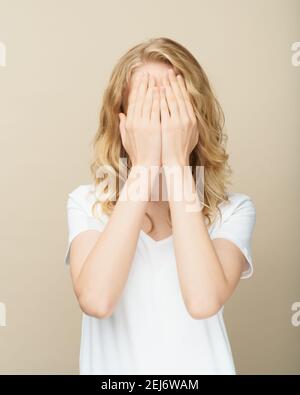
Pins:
x,y
155,104
185,120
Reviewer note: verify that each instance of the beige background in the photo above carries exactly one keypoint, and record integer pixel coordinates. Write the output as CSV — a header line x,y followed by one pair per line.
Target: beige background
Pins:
x,y
59,58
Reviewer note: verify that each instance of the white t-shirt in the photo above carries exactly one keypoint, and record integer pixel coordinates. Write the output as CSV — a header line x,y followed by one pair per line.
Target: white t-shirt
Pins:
x,y
150,330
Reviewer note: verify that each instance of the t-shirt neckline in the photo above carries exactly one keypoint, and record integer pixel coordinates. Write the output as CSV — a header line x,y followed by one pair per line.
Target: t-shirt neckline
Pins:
x,y
156,242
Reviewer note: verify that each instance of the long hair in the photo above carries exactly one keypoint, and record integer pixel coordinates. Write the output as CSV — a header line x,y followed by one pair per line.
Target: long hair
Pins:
x,y
210,150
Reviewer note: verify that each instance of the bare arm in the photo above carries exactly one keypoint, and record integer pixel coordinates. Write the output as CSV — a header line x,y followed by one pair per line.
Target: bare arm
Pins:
x,y
208,270
100,264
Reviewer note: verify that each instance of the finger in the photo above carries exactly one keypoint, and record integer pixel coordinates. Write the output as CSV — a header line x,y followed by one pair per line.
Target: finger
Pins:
x,y
142,89
155,113
177,93
186,97
146,112
164,110
171,99
132,96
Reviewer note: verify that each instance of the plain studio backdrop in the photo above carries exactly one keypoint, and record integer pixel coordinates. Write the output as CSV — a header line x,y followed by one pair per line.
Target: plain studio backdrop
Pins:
x,y
58,58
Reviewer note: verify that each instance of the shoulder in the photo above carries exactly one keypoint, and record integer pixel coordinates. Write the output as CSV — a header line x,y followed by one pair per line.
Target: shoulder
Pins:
x,y
83,196
238,207
236,201
81,191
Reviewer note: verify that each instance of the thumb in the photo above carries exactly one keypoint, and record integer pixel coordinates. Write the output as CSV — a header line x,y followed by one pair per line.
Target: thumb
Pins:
x,y
122,119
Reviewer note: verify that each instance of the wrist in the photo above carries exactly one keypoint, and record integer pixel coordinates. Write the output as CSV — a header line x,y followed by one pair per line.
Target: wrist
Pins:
x,y
141,180
175,161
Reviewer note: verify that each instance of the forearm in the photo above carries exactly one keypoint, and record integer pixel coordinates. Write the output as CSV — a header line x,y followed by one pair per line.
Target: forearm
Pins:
x,y
201,276
106,268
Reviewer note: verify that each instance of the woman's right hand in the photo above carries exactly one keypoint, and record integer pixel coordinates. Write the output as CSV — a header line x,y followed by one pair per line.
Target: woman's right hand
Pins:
x,y
141,129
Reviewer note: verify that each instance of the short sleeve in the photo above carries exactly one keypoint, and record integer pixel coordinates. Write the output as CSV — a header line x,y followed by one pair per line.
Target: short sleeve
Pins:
x,y
79,219
238,226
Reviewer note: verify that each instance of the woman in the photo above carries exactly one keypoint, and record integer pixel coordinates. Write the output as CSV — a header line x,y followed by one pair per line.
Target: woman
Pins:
x,y
152,275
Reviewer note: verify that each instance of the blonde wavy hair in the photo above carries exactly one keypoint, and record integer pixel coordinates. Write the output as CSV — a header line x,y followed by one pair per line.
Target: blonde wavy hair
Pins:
x,y
210,150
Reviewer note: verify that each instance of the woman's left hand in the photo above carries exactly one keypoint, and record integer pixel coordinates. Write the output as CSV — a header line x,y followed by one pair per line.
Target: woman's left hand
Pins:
x,y
178,121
